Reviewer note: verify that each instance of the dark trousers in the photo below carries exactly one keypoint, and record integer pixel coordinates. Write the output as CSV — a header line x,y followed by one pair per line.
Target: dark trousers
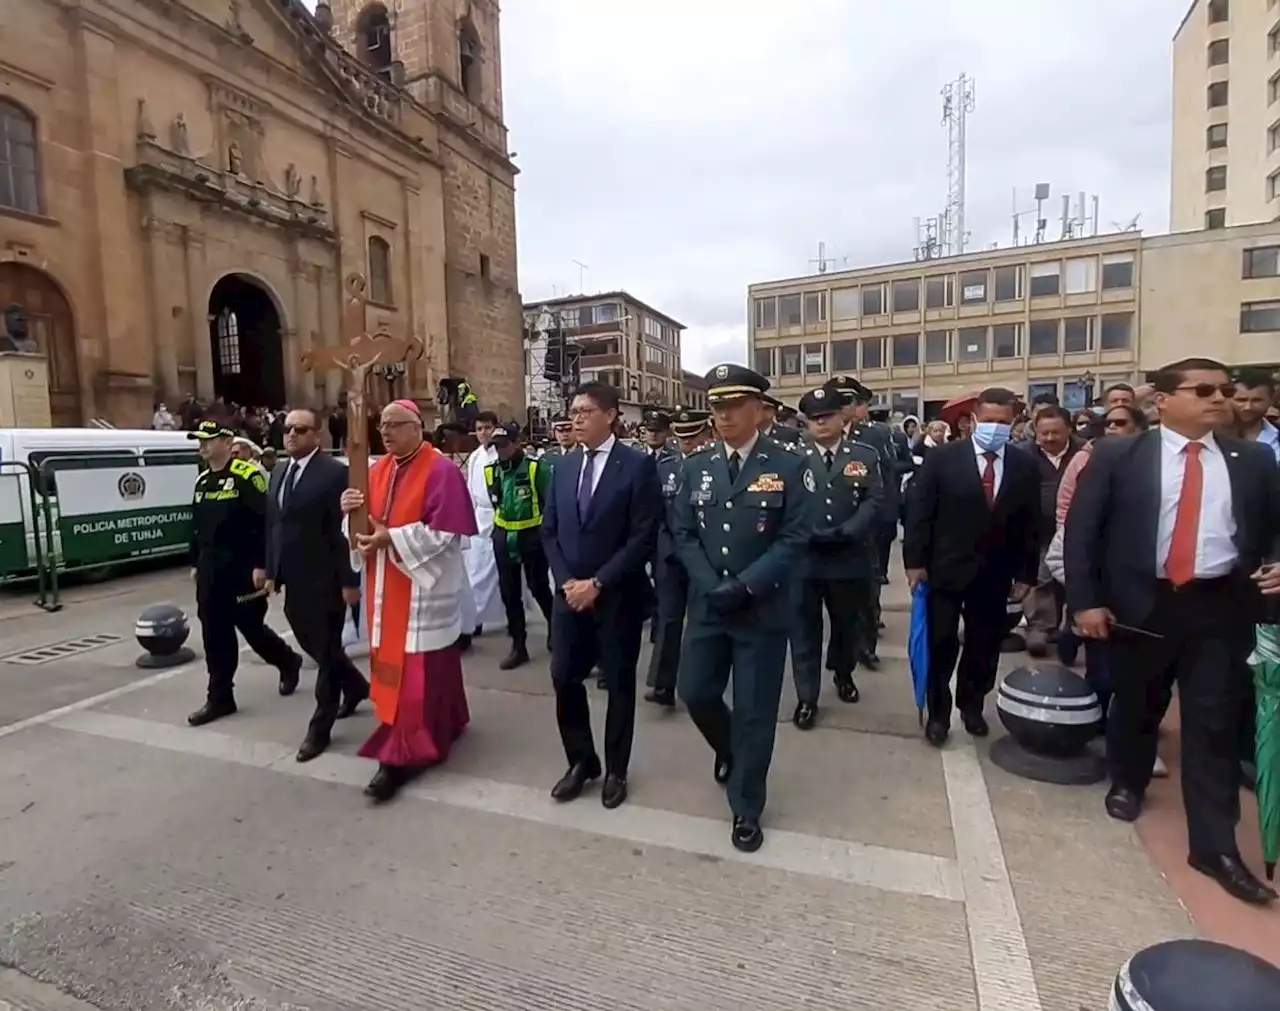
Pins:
x,y
671,585
220,618
756,658
317,626
846,602
533,563
607,636
982,606
1204,651
883,550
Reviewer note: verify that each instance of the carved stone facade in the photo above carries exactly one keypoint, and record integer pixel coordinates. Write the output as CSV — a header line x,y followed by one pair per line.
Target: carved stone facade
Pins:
x,y
208,171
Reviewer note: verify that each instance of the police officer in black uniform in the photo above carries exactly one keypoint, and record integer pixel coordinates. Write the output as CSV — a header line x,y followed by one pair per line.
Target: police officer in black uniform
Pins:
x,y
562,429
837,571
671,584
228,556
742,522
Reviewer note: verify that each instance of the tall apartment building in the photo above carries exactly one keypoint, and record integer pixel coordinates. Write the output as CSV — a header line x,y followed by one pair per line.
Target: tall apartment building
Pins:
x,y
622,341
1226,115
1067,318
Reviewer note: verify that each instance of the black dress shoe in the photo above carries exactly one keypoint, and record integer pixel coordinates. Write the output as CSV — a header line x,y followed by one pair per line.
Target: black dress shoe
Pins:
x,y
464,642
572,782
479,631
614,791
975,724
1235,878
211,711
805,715
312,747
936,733
661,697
350,702
846,689
747,835
723,769
870,660
289,678
385,784
1123,804
518,657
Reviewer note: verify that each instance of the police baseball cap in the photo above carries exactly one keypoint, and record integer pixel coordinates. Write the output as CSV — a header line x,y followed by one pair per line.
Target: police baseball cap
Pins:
x,y
211,430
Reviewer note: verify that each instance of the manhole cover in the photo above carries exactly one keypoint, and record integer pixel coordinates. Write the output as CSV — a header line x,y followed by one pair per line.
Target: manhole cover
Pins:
x,y
62,650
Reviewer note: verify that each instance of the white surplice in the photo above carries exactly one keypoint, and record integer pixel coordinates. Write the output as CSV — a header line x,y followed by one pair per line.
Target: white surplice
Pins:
x,y
485,605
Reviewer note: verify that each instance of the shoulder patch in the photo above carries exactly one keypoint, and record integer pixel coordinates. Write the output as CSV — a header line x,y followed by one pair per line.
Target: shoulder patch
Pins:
x,y
258,480
241,468
810,484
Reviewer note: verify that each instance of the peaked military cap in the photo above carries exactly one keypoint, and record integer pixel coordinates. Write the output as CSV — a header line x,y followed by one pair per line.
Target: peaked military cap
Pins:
x,y
561,421
879,412
821,402
211,430
732,382
773,402
657,421
689,422
850,388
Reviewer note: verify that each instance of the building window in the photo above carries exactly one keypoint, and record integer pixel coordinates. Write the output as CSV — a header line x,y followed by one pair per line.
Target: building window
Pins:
x,y
905,402
1273,185
1273,136
906,351
1260,317
1077,335
1046,388
228,343
1261,261
1045,279
906,295
972,342
1117,271
844,303
486,268
766,313
1273,88
1219,10
469,59
1081,275
380,271
873,300
1117,330
1215,179
1216,136
940,292
1219,52
607,312
790,359
937,347
1042,337
815,307
872,352
1217,94
973,287
764,361
789,310
19,174
373,30
1216,218
1006,340
815,359
844,356
652,328
1008,284
1273,40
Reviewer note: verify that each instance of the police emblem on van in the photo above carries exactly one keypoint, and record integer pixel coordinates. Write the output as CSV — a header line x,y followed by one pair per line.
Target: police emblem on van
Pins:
x,y
131,486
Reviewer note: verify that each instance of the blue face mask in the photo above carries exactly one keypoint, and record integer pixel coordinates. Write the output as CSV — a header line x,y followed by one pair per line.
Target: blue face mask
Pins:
x,y
991,435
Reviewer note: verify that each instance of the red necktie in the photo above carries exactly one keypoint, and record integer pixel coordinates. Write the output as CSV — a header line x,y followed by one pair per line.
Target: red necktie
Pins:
x,y
1180,566
989,478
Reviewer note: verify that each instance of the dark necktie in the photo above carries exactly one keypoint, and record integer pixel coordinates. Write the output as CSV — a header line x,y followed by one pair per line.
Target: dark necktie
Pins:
x,y
989,478
828,455
735,466
286,492
584,486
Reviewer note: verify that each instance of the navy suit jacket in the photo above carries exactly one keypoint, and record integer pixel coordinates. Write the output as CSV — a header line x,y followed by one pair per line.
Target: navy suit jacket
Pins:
x,y
616,538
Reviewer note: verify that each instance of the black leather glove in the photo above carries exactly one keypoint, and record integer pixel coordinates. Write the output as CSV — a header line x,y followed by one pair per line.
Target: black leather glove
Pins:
x,y
730,596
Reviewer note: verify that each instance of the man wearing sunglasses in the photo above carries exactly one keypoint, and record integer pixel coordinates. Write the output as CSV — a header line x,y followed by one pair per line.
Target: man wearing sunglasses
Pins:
x,y
1167,544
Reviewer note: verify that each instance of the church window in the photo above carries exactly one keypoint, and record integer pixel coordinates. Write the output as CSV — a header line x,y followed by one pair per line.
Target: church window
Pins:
x,y
380,271
19,171
373,39
469,60
228,343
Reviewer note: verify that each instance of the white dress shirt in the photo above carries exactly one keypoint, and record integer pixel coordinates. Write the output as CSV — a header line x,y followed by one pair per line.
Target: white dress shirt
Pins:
x,y
298,467
598,460
980,455
744,452
1216,553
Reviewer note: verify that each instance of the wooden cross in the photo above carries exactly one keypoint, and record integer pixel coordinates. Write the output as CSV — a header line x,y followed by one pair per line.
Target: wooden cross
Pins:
x,y
357,356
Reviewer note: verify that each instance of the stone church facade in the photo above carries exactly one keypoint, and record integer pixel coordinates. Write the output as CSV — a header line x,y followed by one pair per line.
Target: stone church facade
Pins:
x,y
185,185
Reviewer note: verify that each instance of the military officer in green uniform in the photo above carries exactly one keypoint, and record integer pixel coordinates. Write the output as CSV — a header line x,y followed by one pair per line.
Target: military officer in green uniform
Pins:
x,y
562,430
837,571
670,582
742,523
229,565
518,487
787,436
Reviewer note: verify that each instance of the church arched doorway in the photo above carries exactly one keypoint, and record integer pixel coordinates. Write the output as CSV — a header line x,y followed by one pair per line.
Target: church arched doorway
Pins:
x,y
248,355
32,304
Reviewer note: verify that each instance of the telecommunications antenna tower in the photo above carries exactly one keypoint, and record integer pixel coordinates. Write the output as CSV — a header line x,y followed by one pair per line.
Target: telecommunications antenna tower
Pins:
x,y
957,103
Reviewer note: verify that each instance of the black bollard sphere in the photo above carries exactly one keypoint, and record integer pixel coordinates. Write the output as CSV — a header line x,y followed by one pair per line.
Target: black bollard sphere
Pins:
x,y
1051,715
1195,975
162,630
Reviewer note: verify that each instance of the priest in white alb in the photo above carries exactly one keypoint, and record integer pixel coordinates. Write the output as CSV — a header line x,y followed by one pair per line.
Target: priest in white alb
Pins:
x,y
482,567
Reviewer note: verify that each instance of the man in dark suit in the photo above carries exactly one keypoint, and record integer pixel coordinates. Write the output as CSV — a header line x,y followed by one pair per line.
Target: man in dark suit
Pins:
x,y
599,527
308,557
972,533
1166,548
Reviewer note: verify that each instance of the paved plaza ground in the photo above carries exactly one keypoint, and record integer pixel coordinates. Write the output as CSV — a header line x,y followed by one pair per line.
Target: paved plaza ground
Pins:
x,y
146,865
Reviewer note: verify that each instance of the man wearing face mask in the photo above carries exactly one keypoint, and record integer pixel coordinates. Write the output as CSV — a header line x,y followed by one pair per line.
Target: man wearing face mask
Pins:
x,y
972,533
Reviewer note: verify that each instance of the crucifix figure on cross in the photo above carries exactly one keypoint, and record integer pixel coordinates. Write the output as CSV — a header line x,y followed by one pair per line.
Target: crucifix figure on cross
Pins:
x,y
356,357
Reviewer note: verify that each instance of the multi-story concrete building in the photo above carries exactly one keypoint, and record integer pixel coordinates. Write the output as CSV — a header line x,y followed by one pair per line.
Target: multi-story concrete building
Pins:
x,y
1226,115
1067,318
695,391
622,342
